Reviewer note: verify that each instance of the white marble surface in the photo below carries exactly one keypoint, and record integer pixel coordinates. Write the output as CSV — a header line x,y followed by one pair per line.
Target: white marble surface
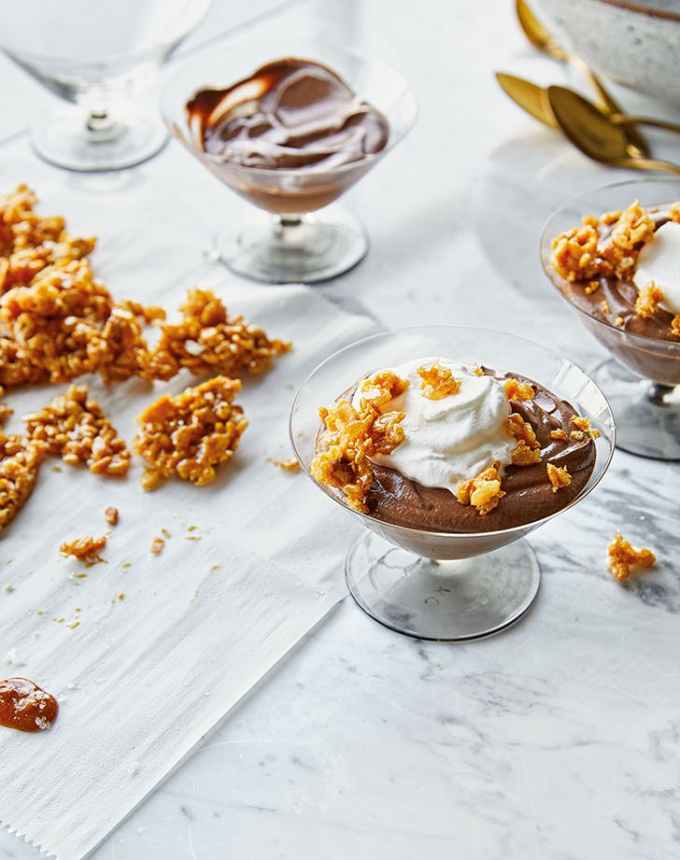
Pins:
x,y
558,740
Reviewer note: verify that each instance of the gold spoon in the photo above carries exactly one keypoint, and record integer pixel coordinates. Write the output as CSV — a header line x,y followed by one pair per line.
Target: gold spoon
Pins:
x,y
595,134
541,39
534,100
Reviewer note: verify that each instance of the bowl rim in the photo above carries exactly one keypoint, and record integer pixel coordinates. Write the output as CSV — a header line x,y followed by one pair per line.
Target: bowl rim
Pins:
x,y
405,92
559,283
638,8
383,524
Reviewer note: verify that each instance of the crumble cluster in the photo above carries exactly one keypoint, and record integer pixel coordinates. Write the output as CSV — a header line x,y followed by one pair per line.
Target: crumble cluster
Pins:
x,y
609,246
86,549
20,461
438,382
352,436
188,435
483,492
75,428
625,560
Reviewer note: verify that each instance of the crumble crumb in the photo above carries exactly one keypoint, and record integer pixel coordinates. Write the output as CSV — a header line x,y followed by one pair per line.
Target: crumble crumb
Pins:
x,y
559,435
292,465
483,492
75,427
352,435
86,549
591,288
157,545
558,476
166,534
647,302
626,560
438,382
188,435
111,516
675,325
516,390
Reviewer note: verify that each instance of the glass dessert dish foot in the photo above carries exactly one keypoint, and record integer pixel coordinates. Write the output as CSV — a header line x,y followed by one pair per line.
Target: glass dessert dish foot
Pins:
x,y
99,63
293,159
447,585
450,600
642,379
647,413
294,249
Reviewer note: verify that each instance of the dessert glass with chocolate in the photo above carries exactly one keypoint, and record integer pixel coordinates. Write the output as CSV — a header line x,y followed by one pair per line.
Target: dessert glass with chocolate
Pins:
x,y
450,445
614,255
289,126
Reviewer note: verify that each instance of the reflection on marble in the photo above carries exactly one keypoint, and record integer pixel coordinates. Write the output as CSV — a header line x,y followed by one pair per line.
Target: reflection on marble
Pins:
x,y
558,740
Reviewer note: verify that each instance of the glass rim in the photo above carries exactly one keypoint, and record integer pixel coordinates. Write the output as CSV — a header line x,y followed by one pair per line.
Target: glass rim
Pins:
x,y
523,527
162,44
405,94
655,344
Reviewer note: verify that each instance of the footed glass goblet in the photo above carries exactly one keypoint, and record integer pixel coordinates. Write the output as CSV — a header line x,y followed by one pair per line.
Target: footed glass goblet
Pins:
x,y
450,586
97,56
642,378
302,238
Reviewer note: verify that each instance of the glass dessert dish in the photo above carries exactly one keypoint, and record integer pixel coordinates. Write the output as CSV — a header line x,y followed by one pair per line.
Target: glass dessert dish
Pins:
x,y
299,239
98,62
642,378
446,585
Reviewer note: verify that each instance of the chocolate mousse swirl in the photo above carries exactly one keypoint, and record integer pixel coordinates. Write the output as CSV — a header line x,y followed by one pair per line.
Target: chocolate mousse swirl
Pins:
x,y
289,114
529,495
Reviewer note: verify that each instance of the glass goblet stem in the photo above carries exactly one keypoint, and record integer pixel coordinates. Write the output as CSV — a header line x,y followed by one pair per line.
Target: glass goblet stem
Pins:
x,y
101,127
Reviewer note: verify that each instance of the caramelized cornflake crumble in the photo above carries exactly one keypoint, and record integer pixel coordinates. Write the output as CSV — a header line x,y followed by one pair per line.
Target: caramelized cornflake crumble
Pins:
x,y
559,435
292,465
582,425
528,450
86,549
648,299
438,382
483,492
583,254
75,428
516,390
20,461
190,434
675,325
591,288
111,516
157,546
558,476
625,560
208,340
352,436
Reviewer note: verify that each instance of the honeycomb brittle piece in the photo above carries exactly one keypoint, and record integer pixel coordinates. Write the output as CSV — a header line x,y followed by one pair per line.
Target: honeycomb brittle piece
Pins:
x,y
75,428
626,560
558,476
190,434
483,492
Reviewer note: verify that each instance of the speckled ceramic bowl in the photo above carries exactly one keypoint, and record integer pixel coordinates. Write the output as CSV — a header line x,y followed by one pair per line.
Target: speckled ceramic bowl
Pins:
x,y
634,43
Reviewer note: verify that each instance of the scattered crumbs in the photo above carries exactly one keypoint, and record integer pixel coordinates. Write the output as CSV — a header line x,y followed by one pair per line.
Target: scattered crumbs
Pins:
x,y
292,466
126,565
193,537
166,534
119,598
157,545
57,469
78,574
111,516
39,611
77,609
215,568
73,624
60,620
192,528
9,588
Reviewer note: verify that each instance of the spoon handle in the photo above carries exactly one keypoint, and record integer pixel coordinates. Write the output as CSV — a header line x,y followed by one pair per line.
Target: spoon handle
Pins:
x,y
650,164
625,119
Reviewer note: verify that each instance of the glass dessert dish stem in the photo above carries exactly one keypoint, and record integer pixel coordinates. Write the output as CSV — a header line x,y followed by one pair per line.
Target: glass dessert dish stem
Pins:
x,y
446,601
647,413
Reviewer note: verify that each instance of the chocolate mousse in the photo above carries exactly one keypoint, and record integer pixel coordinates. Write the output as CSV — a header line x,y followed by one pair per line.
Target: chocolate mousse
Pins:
x,y
289,114
495,451
600,259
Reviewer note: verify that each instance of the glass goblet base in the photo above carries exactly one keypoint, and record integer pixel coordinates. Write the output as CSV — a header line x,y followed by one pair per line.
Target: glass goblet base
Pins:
x,y
450,601
291,249
67,140
647,414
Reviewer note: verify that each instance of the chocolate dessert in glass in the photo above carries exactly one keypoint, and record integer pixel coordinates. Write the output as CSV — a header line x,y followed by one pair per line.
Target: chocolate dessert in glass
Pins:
x,y
614,255
450,444
289,126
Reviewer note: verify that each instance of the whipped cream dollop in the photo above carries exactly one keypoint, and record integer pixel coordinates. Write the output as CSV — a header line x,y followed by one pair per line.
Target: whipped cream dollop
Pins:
x,y
659,261
452,439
